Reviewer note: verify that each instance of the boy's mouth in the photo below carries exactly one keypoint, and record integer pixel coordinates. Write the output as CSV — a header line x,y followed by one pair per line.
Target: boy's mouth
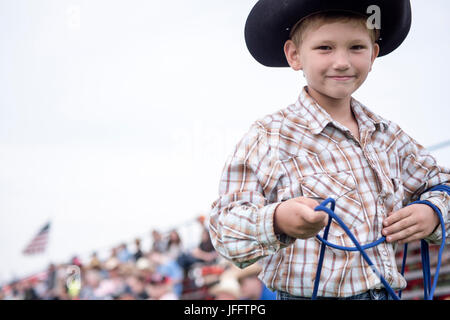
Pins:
x,y
341,78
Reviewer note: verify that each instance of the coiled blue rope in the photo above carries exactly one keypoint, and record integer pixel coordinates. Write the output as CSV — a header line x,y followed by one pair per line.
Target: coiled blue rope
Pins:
x,y
429,287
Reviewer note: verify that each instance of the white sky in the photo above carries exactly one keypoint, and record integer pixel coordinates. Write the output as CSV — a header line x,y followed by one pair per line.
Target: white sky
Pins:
x,y
117,116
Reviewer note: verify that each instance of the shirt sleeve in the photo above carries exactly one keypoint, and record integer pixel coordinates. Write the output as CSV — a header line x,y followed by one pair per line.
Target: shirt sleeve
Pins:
x,y
420,172
241,219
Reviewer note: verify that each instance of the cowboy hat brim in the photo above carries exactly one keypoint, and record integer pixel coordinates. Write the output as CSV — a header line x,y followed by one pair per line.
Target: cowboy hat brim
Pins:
x,y
269,24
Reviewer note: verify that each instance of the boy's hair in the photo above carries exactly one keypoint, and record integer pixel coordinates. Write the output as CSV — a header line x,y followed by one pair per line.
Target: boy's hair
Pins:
x,y
318,19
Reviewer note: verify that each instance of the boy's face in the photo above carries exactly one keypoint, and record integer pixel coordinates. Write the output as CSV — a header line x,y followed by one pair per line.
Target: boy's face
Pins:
x,y
335,58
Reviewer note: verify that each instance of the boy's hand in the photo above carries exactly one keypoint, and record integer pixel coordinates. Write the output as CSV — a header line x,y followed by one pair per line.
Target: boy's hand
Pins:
x,y
410,223
296,218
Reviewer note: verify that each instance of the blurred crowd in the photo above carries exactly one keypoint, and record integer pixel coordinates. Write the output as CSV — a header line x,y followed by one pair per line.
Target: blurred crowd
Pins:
x,y
165,271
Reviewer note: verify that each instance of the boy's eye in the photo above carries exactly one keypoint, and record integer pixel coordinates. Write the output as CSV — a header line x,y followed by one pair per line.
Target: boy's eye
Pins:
x,y
324,48
358,47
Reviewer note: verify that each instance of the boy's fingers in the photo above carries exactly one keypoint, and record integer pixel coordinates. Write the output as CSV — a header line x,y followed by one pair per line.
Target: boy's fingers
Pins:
x,y
396,216
318,218
325,220
408,233
308,202
315,217
412,238
398,226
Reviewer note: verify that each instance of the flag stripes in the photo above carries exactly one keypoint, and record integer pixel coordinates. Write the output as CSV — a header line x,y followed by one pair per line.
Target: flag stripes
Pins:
x,y
39,243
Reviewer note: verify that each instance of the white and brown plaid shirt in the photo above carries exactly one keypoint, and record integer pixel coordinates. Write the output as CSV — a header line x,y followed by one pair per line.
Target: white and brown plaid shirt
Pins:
x,y
302,151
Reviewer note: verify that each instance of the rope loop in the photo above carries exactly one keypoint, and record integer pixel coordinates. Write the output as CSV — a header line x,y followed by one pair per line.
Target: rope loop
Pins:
x,y
429,287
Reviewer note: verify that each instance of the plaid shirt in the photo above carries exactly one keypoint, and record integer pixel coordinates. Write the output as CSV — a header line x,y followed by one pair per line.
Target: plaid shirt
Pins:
x,y
302,151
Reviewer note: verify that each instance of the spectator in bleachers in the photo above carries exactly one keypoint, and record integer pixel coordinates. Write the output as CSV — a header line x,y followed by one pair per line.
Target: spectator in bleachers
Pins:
x,y
174,245
138,250
29,292
95,262
76,261
134,275
161,288
123,254
91,284
254,289
112,257
16,292
159,244
204,253
51,280
169,268
227,289
137,287
113,285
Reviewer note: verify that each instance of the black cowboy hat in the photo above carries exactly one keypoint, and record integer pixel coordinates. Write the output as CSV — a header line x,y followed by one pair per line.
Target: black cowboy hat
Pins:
x,y
270,22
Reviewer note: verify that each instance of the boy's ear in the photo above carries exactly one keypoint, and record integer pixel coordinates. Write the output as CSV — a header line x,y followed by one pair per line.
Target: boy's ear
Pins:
x,y
375,52
292,54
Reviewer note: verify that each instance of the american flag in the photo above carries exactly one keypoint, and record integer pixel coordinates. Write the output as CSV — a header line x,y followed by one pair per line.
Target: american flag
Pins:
x,y
39,242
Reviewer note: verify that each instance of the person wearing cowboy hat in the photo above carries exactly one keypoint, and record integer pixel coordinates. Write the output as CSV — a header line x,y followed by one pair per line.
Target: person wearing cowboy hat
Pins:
x,y
227,288
326,144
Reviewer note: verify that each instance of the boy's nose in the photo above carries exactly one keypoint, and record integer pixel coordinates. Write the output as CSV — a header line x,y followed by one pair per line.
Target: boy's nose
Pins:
x,y
342,61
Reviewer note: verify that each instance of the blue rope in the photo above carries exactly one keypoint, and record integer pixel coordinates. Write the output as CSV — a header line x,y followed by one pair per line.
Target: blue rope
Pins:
x,y
428,287
425,269
405,254
323,247
429,291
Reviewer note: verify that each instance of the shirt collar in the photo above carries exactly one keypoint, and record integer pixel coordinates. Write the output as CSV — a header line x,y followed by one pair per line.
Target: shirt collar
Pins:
x,y
318,118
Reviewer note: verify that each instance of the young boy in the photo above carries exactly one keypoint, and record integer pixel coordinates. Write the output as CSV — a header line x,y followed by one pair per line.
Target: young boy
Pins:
x,y
326,144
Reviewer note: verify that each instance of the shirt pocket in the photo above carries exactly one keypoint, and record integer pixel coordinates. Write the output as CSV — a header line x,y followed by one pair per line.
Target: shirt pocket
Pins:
x,y
293,190
340,186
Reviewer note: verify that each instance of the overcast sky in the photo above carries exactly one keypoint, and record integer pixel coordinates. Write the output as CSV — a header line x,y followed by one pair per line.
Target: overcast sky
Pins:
x,y
116,117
